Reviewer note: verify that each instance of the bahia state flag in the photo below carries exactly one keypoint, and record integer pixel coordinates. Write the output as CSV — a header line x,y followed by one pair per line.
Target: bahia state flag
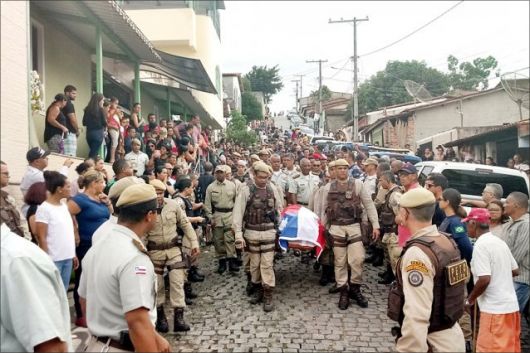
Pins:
x,y
300,228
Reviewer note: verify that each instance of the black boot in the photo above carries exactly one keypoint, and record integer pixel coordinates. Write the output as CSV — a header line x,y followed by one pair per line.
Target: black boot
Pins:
x,y
161,321
178,321
325,277
258,293
344,300
188,291
316,266
334,289
194,275
232,265
267,299
387,277
222,266
250,288
355,294
379,257
371,252
239,260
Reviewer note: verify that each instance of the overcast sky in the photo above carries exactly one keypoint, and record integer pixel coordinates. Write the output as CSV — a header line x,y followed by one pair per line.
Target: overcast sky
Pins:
x,y
288,33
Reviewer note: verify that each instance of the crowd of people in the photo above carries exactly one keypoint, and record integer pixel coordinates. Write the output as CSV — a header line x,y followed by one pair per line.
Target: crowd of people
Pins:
x,y
175,191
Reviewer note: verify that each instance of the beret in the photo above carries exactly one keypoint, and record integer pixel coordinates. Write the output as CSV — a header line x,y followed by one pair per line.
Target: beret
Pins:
x,y
341,163
136,194
417,197
261,167
118,187
371,161
254,156
159,185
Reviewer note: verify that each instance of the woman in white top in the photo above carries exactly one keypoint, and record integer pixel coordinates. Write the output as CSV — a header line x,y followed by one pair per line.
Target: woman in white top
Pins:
x,y
55,228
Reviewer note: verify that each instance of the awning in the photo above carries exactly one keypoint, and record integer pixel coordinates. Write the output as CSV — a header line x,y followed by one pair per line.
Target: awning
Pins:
x,y
179,96
490,135
188,71
121,36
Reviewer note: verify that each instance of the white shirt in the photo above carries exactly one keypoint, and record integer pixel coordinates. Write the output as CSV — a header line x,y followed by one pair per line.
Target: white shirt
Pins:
x,y
32,176
370,182
305,186
104,229
60,236
492,257
138,161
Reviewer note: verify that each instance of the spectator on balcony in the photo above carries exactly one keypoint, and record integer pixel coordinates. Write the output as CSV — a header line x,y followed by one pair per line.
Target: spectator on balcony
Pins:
x,y
439,155
55,126
81,169
113,128
35,196
136,121
129,137
427,154
136,158
70,141
96,122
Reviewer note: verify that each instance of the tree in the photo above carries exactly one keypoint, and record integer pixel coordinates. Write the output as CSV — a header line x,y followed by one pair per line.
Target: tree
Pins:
x,y
237,132
386,88
245,83
266,80
251,107
470,75
326,94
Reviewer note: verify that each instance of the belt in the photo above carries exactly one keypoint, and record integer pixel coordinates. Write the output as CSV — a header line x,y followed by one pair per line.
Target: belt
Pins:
x,y
259,227
345,222
151,245
114,344
218,209
303,203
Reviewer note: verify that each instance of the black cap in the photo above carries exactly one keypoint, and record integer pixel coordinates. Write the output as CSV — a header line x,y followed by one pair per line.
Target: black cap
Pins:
x,y
36,153
408,168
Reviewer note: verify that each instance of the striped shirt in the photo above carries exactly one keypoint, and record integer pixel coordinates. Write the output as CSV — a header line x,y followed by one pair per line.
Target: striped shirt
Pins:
x,y
515,233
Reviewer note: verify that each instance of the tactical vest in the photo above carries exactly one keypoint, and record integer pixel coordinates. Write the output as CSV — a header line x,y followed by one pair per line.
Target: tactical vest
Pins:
x,y
189,212
344,204
260,212
452,274
387,218
9,213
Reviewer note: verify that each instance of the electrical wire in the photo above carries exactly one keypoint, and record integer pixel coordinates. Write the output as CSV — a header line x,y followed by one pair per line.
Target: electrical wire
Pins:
x,y
413,32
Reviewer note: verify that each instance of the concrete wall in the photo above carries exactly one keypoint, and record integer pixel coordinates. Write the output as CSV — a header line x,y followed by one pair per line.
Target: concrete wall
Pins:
x,y
233,91
14,121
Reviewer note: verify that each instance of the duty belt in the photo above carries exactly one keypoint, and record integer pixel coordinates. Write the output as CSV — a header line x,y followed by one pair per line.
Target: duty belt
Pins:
x,y
176,241
260,227
342,242
115,344
219,209
258,244
345,222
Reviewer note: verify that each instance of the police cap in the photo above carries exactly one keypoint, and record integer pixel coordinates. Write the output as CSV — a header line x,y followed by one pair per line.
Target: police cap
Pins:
x,y
158,184
254,156
416,198
264,151
341,163
261,167
118,187
136,194
220,168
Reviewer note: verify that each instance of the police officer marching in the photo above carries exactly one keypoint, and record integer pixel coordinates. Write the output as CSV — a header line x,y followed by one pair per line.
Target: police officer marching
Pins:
x,y
256,212
342,200
164,246
118,288
218,207
427,297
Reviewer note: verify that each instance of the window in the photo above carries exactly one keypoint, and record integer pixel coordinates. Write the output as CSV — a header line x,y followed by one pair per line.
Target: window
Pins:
x,y
37,48
472,182
424,173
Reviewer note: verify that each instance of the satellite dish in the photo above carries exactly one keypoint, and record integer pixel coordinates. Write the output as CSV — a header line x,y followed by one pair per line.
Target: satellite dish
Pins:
x,y
417,91
517,86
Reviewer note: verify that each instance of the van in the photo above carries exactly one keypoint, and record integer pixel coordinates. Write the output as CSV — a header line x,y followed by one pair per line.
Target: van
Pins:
x,y
470,179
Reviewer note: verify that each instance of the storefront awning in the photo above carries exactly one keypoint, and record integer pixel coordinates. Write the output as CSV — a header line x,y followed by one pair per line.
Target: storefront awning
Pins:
x,y
179,96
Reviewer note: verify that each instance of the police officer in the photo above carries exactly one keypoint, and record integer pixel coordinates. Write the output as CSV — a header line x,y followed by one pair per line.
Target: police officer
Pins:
x,y
118,283
218,207
427,297
264,154
282,179
8,210
342,201
306,183
164,247
256,211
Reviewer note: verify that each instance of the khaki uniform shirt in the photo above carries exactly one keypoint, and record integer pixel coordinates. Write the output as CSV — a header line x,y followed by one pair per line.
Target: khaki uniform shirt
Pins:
x,y
165,229
380,197
9,213
241,203
305,186
118,276
284,181
366,202
220,195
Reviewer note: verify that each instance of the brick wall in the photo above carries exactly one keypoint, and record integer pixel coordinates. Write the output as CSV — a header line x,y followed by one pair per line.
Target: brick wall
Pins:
x,y
399,132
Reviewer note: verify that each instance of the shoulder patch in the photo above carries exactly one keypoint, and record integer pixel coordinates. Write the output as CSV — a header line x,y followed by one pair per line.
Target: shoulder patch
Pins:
x,y
460,229
140,270
417,266
415,278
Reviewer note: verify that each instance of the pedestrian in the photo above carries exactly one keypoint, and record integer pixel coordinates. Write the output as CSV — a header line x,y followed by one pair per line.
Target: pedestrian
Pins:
x,y
35,196
426,304
492,191
117,288
95,121
493,267
498,218
34,311
516,236
437,183
55,228
8,209
55,128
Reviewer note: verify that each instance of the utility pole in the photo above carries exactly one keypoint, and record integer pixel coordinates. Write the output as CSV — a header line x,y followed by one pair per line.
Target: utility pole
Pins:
x,y
296,105
301,92
355,110
319,61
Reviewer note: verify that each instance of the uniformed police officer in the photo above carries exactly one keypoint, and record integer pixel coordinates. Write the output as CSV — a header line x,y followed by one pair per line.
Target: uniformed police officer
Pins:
x,y
118,283
306,183
218,207
342,200
257,211
164,247
8,210
264,154
427,297
282,179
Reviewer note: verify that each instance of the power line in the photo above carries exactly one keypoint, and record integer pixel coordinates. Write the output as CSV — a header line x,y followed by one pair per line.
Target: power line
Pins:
x,y
413,32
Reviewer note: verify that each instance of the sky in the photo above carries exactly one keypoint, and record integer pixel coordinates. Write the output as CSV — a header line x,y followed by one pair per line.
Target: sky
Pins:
x,y
287,33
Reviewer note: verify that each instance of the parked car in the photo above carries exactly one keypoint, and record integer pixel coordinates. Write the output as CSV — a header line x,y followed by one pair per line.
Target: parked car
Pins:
x,y
405,157
470,179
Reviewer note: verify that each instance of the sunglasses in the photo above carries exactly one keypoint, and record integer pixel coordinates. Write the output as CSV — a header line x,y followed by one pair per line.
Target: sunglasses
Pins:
x,y
428,185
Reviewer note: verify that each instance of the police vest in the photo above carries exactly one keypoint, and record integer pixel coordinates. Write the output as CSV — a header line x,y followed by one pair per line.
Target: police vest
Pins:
x,y
344,205
387,218
260,211
452,274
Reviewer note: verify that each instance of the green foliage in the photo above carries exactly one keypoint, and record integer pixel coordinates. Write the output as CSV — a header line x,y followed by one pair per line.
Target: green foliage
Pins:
x,y
326,94
266,80
251,107
237,132
470,75
245,82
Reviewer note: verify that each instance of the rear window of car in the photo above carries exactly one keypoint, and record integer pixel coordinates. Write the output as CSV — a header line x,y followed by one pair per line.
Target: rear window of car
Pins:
x,y
472,182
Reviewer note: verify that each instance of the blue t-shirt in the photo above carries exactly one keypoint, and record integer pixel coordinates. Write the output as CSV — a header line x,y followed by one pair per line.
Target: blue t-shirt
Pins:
x,y
92,215
454,226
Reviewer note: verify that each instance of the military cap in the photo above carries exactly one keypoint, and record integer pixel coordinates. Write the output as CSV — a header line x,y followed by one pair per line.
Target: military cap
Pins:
x,y
261,167
219,168
227,169
254,156
331,164
264,151
118,187
371,161
136,194
341,163
235,154
417,197
159,185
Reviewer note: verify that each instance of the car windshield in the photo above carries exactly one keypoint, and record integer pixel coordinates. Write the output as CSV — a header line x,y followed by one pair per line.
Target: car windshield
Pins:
x,y
472,182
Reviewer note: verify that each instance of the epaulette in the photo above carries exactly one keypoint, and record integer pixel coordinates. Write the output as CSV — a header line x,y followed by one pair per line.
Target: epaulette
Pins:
x,y
139,246
296,176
